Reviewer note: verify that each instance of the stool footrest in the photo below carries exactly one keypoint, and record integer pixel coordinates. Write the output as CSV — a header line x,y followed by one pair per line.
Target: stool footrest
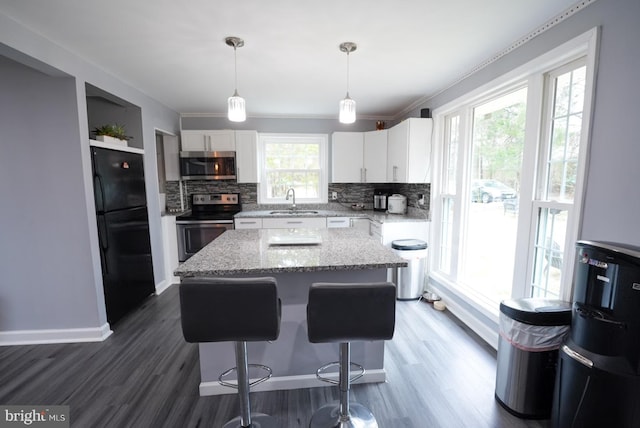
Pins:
x,y
224,382
321,370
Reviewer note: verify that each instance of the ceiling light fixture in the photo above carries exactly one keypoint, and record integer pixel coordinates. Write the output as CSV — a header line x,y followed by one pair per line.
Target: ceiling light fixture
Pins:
x,y
236,106
347,105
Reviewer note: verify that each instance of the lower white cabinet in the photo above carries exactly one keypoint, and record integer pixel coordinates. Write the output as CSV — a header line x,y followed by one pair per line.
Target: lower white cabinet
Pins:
x,y
294,222
170,246
248,223
334,222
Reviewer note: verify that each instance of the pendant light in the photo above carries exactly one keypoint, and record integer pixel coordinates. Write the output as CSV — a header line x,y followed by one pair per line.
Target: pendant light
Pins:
x,y
347,105
236,106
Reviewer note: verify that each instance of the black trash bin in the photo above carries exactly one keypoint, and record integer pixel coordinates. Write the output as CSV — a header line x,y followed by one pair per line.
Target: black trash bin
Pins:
x,y
531,332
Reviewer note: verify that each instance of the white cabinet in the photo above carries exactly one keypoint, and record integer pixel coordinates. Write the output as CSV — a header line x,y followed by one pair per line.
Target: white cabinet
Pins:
x,y
210,141
347,151
248,223
294,222
335,222
170,251
171,149
359,157
375,156
409,151
375,230
247,156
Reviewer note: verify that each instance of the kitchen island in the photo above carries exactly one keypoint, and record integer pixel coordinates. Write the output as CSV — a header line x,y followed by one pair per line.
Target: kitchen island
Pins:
x,y
318,255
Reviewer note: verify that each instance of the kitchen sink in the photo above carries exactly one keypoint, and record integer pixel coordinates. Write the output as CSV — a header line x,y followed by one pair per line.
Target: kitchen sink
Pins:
x,y
294,212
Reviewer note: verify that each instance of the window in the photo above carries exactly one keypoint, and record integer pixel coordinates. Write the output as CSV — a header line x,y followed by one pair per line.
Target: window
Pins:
x,y
496,149
555,197
297,161
507,194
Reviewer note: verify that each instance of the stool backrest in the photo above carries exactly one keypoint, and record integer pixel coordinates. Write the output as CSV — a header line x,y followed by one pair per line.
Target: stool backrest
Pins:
x,y
229,309
343,312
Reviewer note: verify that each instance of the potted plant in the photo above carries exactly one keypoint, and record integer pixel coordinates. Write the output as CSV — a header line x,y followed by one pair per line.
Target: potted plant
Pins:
x,y
111,134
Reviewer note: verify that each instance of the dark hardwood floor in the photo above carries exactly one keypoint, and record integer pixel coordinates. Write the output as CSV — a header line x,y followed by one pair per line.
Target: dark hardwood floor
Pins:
x,y
146,375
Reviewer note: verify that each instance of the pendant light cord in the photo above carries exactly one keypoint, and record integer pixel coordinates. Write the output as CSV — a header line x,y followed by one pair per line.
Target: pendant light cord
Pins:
x,y
235,69
347,73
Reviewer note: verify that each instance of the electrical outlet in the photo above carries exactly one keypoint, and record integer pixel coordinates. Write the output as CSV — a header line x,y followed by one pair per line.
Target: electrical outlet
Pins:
x,y
421,199
334,196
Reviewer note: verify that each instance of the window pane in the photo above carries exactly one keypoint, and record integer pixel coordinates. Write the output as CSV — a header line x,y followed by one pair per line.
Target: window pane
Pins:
x,y
293,161
566,126
496,164
548,252
451,159
446,231
292,156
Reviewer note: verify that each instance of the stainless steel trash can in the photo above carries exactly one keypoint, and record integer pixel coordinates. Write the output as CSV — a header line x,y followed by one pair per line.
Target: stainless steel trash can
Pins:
x,y
410,280
531,332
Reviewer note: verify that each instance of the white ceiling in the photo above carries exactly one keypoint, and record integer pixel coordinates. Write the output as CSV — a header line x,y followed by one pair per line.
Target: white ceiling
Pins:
x,y
291,65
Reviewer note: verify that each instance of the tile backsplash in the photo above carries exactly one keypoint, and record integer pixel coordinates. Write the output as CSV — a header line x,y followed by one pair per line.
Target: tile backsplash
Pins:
x,y
348,193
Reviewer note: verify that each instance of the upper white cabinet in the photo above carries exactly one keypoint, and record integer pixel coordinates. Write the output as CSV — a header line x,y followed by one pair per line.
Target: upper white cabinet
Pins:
x,y
359,157
247,156
210,141
347,153
375,159
409,150
171,148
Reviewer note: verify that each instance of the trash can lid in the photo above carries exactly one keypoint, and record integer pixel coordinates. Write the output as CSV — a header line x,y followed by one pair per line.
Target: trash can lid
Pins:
x,y
536,311
408,244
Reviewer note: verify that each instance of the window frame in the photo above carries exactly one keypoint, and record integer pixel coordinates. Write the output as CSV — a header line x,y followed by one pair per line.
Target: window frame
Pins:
x,y
323,143
532,74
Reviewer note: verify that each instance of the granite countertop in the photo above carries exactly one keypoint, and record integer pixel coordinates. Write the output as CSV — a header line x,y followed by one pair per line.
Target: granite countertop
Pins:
x,y
247,251
378,216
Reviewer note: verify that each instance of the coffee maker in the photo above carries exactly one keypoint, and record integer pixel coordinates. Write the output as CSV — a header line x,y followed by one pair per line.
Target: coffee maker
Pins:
x,y
380,199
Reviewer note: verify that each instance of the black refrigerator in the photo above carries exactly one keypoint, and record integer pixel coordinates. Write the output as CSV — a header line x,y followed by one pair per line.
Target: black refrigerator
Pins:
x,y
123,230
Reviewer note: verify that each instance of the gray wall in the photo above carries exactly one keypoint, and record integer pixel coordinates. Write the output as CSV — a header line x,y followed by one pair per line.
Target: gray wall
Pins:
x,y
311,126
61,171
612,200
45,254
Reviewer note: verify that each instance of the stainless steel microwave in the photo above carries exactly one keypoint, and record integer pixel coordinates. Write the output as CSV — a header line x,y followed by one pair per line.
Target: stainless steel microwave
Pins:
x,y
208,165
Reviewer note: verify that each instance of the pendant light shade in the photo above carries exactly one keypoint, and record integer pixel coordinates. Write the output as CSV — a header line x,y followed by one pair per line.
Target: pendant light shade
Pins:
x,y
347,105
347,110
236,110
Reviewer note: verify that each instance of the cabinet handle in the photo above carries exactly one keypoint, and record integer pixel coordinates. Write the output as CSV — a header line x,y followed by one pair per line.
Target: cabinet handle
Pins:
x,y
361,175
395,173
248,222
365,175
294,222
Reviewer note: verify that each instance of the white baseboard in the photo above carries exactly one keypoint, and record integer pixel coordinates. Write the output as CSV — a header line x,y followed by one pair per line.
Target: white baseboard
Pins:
x,y
41,337
278,383
481,329
164,285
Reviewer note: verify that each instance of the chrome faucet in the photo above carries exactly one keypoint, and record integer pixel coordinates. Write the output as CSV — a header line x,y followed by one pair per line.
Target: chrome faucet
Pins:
x,y
293,192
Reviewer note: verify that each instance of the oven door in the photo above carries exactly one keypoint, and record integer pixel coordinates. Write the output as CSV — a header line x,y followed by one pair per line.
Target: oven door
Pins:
x,y
195,235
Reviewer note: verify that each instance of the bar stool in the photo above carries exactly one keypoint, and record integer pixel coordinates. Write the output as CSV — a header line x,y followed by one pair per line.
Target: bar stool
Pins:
x,y
239,310
343,313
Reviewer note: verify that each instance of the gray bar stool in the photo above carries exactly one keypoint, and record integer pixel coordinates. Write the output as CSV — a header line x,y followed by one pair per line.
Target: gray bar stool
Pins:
x,y
344,313
239,310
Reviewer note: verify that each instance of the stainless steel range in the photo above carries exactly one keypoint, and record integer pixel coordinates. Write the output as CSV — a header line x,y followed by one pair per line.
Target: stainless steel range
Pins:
x,y
211,214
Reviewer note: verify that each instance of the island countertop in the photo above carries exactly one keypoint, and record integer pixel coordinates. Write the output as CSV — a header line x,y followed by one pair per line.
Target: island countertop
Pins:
x,y
247,251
